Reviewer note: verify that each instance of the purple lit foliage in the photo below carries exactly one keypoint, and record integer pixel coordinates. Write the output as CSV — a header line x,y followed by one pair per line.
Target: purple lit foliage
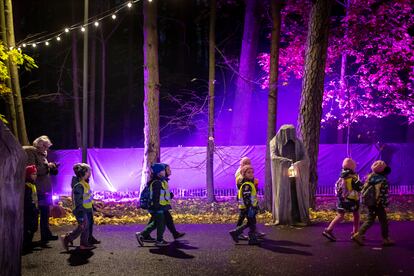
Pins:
x,y
377,38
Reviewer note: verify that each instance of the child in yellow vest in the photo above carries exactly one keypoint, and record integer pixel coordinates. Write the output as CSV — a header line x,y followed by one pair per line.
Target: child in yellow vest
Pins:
x,y
248,205
31,211
347,189
82,203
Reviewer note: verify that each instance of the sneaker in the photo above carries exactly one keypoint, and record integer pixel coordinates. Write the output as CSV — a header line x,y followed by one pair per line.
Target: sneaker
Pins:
x,y
178,235
328,234
388,242
161,243
253,239
149,239
65,242
234,236
140,238
260,234
358,239
87,247
243,237
92,240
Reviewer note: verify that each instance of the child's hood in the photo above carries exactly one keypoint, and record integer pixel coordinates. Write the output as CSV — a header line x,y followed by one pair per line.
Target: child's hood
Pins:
x,y
376,179
74,181
346,173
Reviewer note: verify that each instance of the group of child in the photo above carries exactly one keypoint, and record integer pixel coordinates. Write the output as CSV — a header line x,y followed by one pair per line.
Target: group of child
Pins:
x,y
348,190
374,192
82,207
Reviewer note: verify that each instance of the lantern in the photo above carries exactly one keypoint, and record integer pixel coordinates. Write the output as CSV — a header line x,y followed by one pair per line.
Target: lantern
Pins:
x,y
292,171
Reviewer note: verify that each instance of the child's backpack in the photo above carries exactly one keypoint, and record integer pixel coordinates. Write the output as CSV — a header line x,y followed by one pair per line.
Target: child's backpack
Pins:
x,y
145,198
368,195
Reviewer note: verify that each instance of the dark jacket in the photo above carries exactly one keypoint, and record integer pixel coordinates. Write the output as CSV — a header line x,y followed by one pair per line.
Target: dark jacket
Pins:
x,y
246,193
77,197
39,159
380,184
30,208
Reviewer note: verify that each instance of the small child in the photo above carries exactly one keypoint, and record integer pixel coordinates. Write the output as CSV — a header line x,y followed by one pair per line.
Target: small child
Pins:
x,y
160,200
31,211
347,190
378,180
82,204
243,162
248,205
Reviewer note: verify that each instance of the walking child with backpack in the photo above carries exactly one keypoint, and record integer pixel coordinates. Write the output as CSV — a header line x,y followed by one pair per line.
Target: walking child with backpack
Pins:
x,y
347,189
154,198
375,197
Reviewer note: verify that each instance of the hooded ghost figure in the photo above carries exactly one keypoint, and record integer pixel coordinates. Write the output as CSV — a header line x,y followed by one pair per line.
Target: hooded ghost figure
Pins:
x,y
290,194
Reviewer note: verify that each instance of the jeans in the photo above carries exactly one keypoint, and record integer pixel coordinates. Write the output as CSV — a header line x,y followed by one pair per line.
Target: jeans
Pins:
x,y
373,212
82,230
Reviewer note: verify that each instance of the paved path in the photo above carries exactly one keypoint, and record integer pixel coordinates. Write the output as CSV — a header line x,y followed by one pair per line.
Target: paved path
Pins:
x,y
209,250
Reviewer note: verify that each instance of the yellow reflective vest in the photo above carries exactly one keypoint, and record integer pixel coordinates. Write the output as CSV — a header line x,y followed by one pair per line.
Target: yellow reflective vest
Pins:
x,y
253,195
87,195
32,187
165,195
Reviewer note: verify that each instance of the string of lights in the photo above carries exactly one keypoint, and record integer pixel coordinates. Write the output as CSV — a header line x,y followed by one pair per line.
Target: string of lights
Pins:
x,y
57,36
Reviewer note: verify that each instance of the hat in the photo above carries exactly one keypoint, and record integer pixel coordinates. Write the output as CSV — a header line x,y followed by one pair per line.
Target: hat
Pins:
x,y
378,166
30,170
245,161
156,168
244,169
80,169
348,163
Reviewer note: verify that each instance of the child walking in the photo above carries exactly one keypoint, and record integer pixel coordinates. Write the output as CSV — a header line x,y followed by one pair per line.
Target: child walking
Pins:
x,y
347,190
82,204
248,206
376,183
159,199
31,211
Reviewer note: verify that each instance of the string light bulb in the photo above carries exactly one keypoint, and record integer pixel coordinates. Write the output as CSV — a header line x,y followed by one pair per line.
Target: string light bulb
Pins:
x,y
83,29
113,16
34,45
150,1
129,4
66,30
96,23
58,38
24,45
47,43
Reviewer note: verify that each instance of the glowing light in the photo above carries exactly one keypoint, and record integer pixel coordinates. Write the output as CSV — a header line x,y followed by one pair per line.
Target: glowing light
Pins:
x,y
66,30
83,29
54,197
113,16
11,48
34,45
24,45
58,38
47,43
96,23
150,1
129,4
19,49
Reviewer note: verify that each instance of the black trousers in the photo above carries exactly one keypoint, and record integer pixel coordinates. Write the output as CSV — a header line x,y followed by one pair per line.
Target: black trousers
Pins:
x,y
30,226
45,232
169,222
251,223
90,223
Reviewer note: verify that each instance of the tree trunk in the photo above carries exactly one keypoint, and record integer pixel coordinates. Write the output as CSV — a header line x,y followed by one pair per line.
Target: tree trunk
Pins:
x,y
313,85
151,91
276,6
14,74
211,77
247,65
12,162
92,92
11,108
103,93
75,86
